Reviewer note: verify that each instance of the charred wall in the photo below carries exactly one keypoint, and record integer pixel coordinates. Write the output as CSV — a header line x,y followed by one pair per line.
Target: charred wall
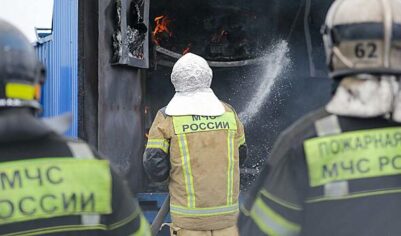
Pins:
x,y
111,96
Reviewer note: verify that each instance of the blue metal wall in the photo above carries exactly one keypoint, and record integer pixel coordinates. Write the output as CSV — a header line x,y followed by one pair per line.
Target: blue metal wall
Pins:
x,y
59,53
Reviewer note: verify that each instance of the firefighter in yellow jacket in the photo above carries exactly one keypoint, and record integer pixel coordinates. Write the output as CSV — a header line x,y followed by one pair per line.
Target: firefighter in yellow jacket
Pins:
x,y
199,143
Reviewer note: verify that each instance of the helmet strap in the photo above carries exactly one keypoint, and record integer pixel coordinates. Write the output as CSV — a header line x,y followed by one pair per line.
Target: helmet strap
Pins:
x,y
343,59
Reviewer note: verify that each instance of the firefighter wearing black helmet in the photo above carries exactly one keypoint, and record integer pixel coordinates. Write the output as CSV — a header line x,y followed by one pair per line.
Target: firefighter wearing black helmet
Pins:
x,y
50,184
337,171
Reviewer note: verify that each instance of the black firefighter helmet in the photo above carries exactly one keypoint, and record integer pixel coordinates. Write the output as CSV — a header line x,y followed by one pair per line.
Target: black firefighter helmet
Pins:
x,y
21,73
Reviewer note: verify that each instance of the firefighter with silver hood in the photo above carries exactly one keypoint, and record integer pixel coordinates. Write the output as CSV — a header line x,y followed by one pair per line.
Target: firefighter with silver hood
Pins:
x,y
199,142
337,171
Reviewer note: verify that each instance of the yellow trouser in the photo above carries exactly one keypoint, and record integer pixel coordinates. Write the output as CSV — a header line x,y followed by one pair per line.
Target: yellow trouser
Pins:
x,y
177,231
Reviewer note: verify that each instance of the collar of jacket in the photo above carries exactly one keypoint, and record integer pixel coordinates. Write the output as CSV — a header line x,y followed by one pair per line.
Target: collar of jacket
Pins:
x,y
21,125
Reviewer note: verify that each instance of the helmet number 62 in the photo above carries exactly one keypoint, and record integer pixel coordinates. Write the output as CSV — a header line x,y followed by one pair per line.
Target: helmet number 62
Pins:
x,y
365,50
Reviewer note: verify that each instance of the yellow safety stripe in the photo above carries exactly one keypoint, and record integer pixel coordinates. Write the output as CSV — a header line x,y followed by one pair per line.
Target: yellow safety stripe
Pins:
x,y
241,140
162,144
353,155
207,211
186,169
66,228
20,91
230,168
279,201
144,229
271,222
356,195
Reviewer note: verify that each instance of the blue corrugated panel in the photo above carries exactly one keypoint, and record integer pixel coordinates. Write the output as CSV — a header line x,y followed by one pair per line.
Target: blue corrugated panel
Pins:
x,y
60,56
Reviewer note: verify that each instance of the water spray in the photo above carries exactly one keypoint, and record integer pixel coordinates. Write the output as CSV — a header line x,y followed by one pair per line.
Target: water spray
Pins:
x,y
276,61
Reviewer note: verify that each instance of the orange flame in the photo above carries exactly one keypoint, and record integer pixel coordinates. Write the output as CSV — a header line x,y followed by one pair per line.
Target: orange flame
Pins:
x,y
187,49
162,23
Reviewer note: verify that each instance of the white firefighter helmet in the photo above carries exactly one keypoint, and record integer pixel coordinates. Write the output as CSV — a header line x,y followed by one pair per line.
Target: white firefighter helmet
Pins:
x,y
363,36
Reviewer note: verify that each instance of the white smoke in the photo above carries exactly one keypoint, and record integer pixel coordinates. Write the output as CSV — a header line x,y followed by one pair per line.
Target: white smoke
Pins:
x,y
276,61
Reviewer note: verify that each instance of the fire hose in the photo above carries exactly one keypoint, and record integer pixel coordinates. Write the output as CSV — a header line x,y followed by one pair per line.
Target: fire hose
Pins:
x,y
161,215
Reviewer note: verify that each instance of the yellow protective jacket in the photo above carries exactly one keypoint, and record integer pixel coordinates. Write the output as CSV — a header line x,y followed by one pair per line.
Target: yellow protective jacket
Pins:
x,y
201,155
